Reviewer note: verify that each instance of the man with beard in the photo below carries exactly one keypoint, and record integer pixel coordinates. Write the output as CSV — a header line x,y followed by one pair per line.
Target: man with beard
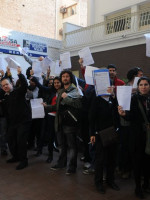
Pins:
x,y
67,109
113,76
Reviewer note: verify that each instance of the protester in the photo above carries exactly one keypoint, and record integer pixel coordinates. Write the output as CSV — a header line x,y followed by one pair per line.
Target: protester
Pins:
x,y
139,117
18,115
49,95
66,122
113,75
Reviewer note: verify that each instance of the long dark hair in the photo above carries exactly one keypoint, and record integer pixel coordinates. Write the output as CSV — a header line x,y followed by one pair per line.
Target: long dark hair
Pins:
x,y
68,72
56,78
143,78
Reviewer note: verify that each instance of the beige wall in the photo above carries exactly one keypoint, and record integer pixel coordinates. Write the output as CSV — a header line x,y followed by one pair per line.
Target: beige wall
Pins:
x,y
29,16
40,17
98,9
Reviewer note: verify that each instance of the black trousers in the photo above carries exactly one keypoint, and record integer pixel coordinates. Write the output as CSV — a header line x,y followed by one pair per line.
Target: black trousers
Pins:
x,y
104,158
141,167
17,136
51,134
125,149
69,142
85,136
3,128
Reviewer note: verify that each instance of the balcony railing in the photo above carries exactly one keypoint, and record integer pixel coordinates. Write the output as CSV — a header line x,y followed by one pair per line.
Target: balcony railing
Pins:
x,y
118,26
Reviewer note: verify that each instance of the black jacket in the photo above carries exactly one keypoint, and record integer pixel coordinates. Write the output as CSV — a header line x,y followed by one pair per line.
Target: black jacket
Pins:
x,y
16,108
138,133
102,114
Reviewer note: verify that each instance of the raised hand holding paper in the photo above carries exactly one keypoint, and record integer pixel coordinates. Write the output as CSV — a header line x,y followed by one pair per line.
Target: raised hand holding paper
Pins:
x,y
65,60
36,67
101,81
124,96
58,68
12,63
45,64
86,55
89,74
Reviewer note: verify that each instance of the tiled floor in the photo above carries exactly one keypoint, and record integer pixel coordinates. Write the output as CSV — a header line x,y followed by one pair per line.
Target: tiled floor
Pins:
x,y
38,182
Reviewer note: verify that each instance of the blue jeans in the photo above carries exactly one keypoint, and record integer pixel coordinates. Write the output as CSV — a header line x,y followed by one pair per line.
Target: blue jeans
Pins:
x,y
69,141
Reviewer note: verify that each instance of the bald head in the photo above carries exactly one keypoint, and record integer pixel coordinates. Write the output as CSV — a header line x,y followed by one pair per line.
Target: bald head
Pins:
x,y
41,58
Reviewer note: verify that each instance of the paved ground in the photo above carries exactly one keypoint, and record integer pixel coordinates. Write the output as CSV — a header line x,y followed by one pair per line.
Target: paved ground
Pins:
x,y
38,182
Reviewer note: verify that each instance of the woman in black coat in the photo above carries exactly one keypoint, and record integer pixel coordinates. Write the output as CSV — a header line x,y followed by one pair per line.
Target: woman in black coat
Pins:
x,y
102,115
141,160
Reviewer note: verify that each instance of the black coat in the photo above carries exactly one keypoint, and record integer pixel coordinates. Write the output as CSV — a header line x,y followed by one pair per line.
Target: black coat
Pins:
x,y
16,108
138,134
102,114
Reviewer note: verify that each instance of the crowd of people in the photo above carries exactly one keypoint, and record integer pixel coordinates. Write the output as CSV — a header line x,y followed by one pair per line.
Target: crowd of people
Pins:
x,y
69,116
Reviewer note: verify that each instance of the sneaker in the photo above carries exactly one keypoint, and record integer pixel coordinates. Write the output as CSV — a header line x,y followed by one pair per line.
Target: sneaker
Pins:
x,y
89,171
22,165
56,167
82,158
70,171
87,165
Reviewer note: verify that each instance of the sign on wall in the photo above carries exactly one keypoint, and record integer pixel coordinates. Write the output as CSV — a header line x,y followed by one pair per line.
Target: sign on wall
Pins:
x,y
11,40
35,46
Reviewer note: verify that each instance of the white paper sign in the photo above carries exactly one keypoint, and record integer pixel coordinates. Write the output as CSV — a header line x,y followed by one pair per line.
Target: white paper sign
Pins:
x,y
36,67
89,74
12,63
57,68
37,108
124,96
135,82
45,64
101,81
7,59
147,45
79,90
65,60
2,65
86,55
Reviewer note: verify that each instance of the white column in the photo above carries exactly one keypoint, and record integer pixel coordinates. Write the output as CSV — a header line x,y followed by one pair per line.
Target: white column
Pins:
x,y
134,19
91,12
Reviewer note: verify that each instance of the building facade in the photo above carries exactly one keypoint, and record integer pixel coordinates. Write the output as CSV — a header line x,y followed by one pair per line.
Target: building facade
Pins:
x,y
43,18
115,34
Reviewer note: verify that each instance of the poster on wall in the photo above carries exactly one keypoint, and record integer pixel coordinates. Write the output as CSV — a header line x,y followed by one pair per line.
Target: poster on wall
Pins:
x,y
35,46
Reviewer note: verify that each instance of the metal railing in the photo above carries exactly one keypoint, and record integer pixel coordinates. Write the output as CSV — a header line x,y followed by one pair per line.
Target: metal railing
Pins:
x,y
118,24
112,28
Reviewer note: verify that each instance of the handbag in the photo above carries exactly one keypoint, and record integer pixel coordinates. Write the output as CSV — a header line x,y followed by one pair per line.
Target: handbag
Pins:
x,y
108,136
147,128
